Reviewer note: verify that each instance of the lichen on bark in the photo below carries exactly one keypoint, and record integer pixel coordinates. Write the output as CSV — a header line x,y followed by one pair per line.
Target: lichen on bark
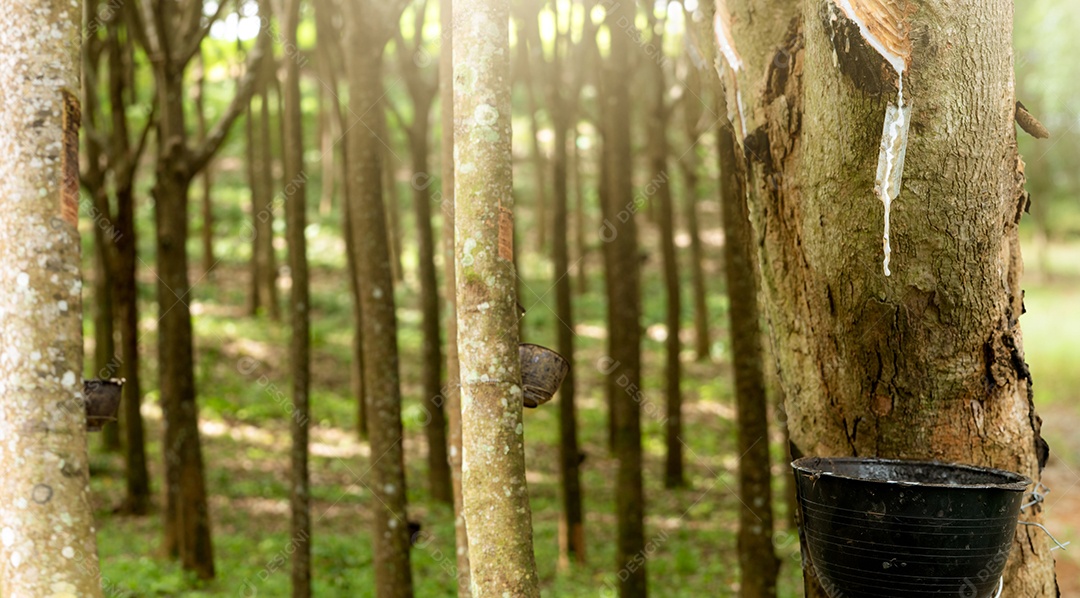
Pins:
x,y
496,497
47,545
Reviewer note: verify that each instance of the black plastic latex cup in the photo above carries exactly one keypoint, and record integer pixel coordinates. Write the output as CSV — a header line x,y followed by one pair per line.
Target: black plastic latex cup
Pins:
x,y
876,528
542,373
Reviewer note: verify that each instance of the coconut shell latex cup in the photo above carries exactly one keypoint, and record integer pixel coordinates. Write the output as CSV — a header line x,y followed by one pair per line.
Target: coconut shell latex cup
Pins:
x,y
542,372
102,402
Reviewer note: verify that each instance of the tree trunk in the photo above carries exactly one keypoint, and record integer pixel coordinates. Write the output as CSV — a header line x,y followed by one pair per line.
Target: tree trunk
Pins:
x,y
661,184
324,11
624,317
264,271
927,362
48,548
329,136
299,304
418,133
187,520
581,248
528,41
452,392
105,365
393,201
571,526
137,501
207,175
368,220
758,564
689,163
495,491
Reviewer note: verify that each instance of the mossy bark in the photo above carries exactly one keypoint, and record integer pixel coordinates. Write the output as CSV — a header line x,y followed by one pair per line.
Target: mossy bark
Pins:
x,y
495,492
46,519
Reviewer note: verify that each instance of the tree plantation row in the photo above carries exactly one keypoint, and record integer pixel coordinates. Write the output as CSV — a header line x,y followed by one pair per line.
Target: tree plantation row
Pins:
x,y
491,298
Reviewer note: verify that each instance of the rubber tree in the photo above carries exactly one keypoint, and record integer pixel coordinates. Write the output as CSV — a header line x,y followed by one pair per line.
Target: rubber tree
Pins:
x,y
171,34
496,494
452,392
563,90
422,90
112,156
920,356
623,361
299,306
46,519
369,26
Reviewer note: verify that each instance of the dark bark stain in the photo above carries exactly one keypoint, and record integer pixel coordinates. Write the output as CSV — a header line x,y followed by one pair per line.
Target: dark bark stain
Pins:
x,y
860,63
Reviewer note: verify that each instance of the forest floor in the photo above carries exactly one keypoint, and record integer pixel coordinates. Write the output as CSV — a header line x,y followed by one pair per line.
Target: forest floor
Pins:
x,y
242,376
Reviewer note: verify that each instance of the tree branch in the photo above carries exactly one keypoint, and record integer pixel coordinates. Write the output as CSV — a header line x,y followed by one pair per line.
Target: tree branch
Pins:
x,y
244,90
198,34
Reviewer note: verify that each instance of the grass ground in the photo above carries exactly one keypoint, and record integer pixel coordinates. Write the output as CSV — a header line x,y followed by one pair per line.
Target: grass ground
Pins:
x,y
243,397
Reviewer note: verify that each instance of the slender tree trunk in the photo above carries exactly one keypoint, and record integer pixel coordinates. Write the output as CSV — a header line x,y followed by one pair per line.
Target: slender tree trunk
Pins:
x,y
495,490
757,560
393,201
692,109
527,42
299,305
431,357
661,181
264,282
187,519
571,525
453,370
624,315
368,220
324,11
581,248
120,57
48,548
105,365
207,174
927,362
137,501
329,136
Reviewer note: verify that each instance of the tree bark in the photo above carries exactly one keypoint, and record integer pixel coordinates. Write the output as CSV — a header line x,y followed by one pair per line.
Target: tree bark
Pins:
x,y
495,491
187,519
299,304
46,517
564,97
758,564
422,92
452,392
661,182
689,164
120,56
324,11
264,261
367,25
624,315
207,175
105,365
571,526
927,362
